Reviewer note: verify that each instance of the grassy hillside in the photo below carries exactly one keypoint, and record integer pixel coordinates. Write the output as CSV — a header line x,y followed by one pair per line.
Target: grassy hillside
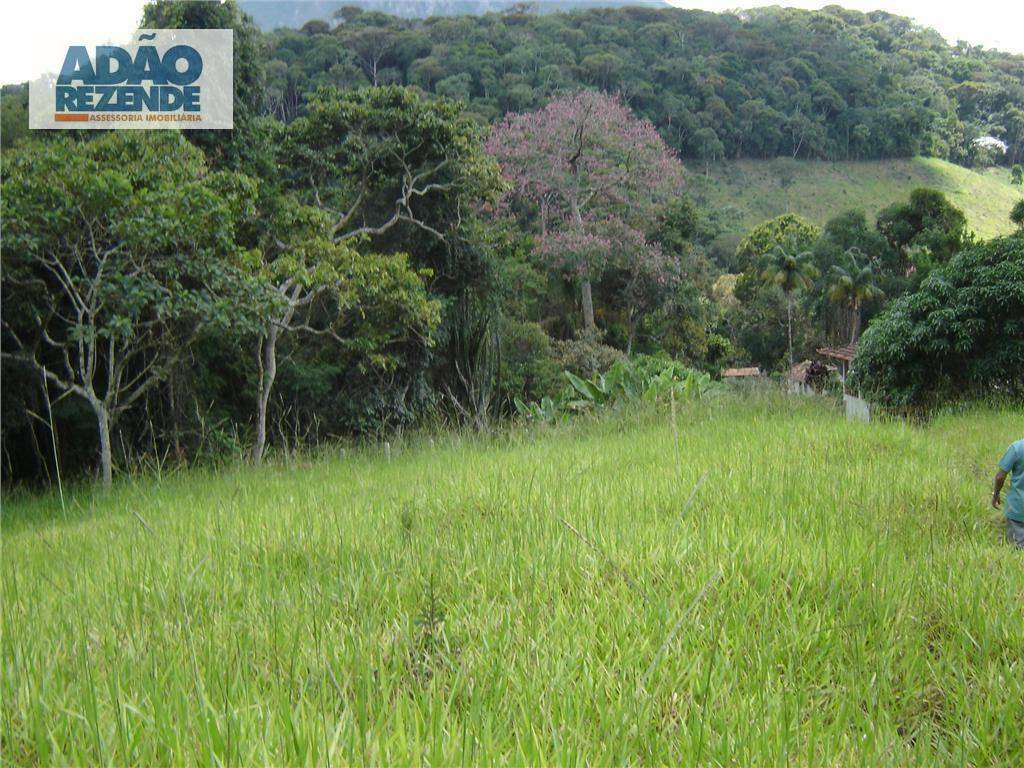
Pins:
x,y
831,593
754,190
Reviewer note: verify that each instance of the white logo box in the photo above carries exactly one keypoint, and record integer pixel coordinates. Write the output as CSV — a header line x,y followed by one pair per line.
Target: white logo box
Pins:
x,y
108,102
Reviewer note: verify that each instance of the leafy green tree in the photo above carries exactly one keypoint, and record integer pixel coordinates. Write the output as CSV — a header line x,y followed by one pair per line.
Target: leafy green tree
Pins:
x,y
243,148
13,115
753,324
372,46
792,271
396,172
118,253
707,147
602,69
789,229
961,334
377,159
678,223
927,230
846,230
1017,214
1011,118
315,27
853,285
363,302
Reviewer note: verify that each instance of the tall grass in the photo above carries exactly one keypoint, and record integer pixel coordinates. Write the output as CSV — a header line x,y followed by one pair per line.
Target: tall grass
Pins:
x,y
831,593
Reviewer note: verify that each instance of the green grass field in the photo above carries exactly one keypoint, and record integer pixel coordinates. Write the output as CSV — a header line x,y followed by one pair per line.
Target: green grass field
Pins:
x,y
832,593
751,191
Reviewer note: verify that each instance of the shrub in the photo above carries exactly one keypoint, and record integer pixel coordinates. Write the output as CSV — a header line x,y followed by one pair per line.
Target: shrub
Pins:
x,y
529,368
1017,214
647,379
960,335
586,355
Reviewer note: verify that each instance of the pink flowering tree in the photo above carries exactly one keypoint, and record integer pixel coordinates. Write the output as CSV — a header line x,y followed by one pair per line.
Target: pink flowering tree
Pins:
x,y
596,175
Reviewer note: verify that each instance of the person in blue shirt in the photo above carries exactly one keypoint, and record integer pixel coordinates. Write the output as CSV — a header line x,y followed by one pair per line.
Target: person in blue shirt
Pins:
x,y
1012,464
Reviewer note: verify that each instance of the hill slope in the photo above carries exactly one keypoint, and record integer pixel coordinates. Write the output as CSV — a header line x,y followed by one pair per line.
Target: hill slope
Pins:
x,y
750,191
767,82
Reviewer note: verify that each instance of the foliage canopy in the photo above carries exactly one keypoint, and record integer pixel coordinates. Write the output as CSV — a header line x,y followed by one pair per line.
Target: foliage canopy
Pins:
x,y
960,335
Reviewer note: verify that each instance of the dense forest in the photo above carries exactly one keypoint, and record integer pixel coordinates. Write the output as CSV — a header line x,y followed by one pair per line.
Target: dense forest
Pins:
x,y
834,84
294,13
427,222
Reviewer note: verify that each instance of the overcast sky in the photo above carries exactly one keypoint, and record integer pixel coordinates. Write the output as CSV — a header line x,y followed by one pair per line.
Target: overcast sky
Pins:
x,y
34,35
992,23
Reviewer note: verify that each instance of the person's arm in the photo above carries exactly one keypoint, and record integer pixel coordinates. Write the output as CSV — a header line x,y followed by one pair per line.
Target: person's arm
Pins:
x,y
1004,466
997,487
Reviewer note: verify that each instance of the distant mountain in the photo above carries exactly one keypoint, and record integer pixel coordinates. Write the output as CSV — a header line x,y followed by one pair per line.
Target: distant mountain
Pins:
x,y
271,14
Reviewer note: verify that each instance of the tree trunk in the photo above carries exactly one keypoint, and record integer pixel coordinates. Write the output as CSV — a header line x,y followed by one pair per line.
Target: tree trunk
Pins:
x,y
175,420
632,333
268,372
42,468
586,292
789,328
855,324
103,427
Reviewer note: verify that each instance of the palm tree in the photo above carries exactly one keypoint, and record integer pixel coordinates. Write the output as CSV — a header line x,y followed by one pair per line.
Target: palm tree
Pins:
x,y
791,272
853,287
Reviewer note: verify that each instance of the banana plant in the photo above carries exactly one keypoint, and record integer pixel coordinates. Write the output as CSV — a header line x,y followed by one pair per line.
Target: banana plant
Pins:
x,y
547,411
620,384
595,392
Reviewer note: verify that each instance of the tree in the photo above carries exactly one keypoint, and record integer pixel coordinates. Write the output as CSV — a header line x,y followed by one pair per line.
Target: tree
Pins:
x,y
708,147
325,288
371,45
581,161
644,274
1017,174
1012,120
791,271
960,335
853,285
789,230
1017,214
394,172
850,230
777,82
376,159
346,14
678,224
754,324
243,148
602,69
315,27
927,230
118,253
13,115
